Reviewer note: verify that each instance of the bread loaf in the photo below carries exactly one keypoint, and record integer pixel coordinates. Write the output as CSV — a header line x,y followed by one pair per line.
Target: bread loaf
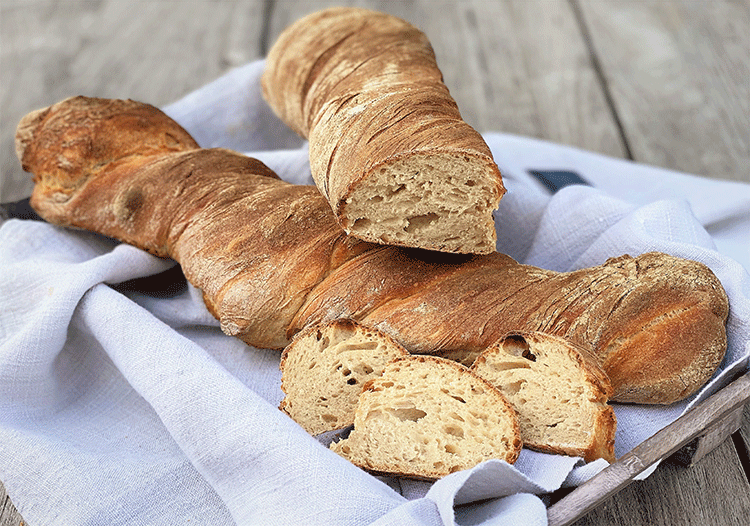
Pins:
x,y
388,146
271,259
324,369
426,417
558,390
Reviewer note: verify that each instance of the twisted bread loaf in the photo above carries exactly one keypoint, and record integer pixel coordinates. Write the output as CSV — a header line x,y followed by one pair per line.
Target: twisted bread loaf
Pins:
x,y
271,259
388,146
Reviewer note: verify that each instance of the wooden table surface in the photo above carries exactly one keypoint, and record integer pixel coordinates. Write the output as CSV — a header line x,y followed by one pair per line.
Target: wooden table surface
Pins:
x,y
660,82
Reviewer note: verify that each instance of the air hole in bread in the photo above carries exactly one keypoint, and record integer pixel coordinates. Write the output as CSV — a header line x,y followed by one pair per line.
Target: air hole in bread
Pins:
x,y
417,222
454,430
357,346
512,388
361,223
409,413
507,366
455,397
516,345
398,189
478,416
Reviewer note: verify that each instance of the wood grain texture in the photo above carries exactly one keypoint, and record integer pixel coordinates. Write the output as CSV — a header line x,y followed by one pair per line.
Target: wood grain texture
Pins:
x,y
664,82
698,496
678,77
742,441
9,515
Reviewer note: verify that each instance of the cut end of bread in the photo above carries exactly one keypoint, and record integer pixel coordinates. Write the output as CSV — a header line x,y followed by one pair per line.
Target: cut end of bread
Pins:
x,y
427,417
433,200
558,390
325,368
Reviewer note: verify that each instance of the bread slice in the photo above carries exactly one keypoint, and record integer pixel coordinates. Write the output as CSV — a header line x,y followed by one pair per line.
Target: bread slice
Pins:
x,y
558,390
426,417
324,369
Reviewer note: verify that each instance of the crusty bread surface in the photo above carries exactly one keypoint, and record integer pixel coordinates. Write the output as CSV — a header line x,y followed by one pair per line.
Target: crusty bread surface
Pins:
x,y
558,390
388,146
324,369
270,258
426,417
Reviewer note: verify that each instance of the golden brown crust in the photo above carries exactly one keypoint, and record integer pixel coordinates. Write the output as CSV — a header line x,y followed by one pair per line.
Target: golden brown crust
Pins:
x,y
365,89
656,322
271,259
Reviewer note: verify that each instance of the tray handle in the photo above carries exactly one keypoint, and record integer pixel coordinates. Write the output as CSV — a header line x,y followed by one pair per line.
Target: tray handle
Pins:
x,y
713,418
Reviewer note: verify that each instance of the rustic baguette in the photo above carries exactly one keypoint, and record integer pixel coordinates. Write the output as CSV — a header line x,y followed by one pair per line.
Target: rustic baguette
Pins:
x,y
271,259
388,146
427,417
558,390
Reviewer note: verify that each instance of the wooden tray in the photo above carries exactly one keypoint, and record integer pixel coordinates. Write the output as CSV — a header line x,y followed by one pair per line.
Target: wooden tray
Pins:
x,y
691,437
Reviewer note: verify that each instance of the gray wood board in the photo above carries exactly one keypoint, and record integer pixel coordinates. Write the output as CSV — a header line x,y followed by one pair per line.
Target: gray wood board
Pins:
x,y
154,52
678,75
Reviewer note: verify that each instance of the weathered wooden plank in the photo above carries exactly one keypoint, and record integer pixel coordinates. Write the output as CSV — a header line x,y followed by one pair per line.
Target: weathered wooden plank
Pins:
x,y
668,497
150,51
710,438
678,76
676,73
742,441
9,516
519,67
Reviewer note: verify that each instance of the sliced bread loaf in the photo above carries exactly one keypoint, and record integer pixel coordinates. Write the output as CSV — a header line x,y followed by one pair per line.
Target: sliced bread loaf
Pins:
x,y
388,146
558,390
426,417
324,369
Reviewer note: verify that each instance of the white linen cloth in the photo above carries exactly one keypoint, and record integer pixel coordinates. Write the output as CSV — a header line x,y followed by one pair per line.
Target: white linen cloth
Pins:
x,y
125,407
